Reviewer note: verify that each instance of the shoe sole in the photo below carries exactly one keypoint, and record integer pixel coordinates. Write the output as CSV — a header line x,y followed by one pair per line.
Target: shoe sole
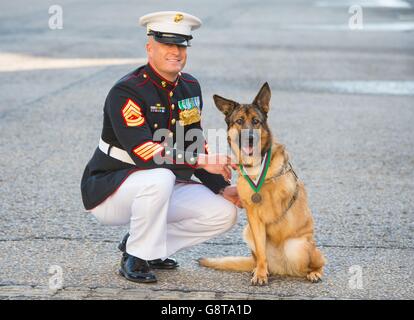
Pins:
x,y
122,273
163,268
122,248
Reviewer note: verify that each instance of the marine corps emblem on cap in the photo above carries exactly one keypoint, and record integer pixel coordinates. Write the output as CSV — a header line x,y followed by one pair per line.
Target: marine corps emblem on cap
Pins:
x,y
178,17
170,26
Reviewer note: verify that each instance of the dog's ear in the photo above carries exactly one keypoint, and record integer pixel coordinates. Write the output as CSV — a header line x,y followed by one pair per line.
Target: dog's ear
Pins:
x,y
224,105
262,99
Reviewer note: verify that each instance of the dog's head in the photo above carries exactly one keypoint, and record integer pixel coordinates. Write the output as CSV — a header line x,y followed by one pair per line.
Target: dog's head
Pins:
x,y
248,134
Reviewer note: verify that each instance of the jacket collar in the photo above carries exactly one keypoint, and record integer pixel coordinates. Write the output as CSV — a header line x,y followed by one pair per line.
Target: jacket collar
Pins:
x,y
159,80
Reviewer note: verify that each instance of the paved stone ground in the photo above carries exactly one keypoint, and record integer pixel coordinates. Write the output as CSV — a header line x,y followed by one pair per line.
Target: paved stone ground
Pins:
x,y
342,103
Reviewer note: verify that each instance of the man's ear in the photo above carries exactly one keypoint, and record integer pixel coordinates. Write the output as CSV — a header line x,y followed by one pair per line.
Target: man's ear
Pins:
x,y
224,105
149,46
263,98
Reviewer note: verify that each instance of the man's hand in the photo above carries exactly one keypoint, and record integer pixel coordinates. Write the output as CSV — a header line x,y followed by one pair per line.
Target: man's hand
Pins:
x,y
230,193
216,164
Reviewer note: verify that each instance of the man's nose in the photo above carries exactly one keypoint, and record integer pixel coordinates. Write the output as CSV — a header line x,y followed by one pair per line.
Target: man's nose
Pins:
x,y
174,49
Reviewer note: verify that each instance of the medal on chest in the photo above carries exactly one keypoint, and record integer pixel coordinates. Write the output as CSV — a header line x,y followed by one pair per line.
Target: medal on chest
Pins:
x,y
257,184
189,110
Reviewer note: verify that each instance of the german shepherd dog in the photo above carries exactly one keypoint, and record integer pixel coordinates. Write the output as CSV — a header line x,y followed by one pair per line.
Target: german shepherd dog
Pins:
x,y
280,228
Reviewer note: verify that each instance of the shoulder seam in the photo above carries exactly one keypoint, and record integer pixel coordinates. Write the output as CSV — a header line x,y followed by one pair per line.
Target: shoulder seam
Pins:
x,y
135,76
143,82
131,94
188,80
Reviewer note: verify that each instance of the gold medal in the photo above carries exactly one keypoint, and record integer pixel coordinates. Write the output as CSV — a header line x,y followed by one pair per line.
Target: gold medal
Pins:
x,y
189,116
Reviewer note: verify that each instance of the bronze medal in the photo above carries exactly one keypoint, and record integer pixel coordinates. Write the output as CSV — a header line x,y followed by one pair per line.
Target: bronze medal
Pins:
x,y
256,197
257,185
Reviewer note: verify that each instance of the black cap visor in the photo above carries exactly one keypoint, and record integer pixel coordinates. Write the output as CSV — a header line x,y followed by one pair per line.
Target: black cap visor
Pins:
x,y
171,38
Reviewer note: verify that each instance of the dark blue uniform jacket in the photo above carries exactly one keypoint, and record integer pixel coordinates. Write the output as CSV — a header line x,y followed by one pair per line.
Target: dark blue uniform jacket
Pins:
x,y
136,106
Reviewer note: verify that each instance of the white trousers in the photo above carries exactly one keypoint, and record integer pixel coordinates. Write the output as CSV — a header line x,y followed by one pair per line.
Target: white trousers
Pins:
x,y
165,216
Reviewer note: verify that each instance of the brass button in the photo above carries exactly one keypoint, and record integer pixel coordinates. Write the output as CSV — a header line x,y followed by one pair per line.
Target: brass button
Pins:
x,y
192,159
164,84
167,152
172,106
171,93
170,134
145,75
179,156
155,125
173,121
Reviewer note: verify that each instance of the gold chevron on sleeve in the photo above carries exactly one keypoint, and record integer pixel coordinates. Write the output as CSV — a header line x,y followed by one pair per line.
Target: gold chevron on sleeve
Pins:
x,y
147,150
132,114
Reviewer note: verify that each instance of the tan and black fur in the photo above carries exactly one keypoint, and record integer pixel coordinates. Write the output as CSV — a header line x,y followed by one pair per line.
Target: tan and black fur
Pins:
x,y
280,238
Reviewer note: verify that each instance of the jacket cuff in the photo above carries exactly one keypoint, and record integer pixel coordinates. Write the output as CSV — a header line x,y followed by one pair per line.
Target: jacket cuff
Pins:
x,y
181,157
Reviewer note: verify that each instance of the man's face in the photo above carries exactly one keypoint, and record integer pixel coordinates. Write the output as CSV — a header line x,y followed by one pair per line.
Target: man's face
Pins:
x,y
166,58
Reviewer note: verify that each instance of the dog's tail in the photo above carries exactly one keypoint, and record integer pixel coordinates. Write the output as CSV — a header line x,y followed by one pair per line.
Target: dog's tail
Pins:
x,y
240,264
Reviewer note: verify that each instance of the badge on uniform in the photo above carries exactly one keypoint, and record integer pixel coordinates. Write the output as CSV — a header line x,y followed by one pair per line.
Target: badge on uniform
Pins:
x,y
157,108
189,110
132,114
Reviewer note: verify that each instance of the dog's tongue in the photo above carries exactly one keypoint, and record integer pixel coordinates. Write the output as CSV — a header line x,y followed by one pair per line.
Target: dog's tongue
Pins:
x,y
248,150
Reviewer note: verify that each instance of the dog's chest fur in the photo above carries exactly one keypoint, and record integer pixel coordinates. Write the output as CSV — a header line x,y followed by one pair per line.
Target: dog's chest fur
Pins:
x,y
274,193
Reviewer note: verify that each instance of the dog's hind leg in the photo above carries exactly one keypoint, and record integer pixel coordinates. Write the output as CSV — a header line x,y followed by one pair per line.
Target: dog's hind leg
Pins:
x,y
317,261
303,259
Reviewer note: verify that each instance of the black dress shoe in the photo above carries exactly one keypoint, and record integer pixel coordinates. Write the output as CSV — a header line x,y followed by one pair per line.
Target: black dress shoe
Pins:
x,y
154,264
135,269
163,264
122,244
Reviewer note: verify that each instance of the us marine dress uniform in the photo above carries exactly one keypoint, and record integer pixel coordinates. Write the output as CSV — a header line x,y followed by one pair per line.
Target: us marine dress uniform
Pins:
x,y
125,182
138,105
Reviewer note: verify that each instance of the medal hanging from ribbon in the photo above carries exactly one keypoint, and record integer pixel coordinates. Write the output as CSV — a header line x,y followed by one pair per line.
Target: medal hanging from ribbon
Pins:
x,y
189,110
257,184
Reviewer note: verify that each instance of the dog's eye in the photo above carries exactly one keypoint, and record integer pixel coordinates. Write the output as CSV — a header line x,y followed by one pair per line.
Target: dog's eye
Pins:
x,y
255,121
240,121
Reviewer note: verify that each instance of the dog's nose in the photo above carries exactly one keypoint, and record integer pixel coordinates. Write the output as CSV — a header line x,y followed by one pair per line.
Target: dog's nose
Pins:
x,y
251,138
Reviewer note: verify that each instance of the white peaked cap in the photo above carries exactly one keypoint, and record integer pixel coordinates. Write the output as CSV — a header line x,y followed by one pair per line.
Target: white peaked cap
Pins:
x,y
170,22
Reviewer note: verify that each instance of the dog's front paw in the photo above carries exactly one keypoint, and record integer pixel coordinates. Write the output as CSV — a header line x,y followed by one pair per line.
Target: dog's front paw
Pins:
x,y
260,277
314,277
